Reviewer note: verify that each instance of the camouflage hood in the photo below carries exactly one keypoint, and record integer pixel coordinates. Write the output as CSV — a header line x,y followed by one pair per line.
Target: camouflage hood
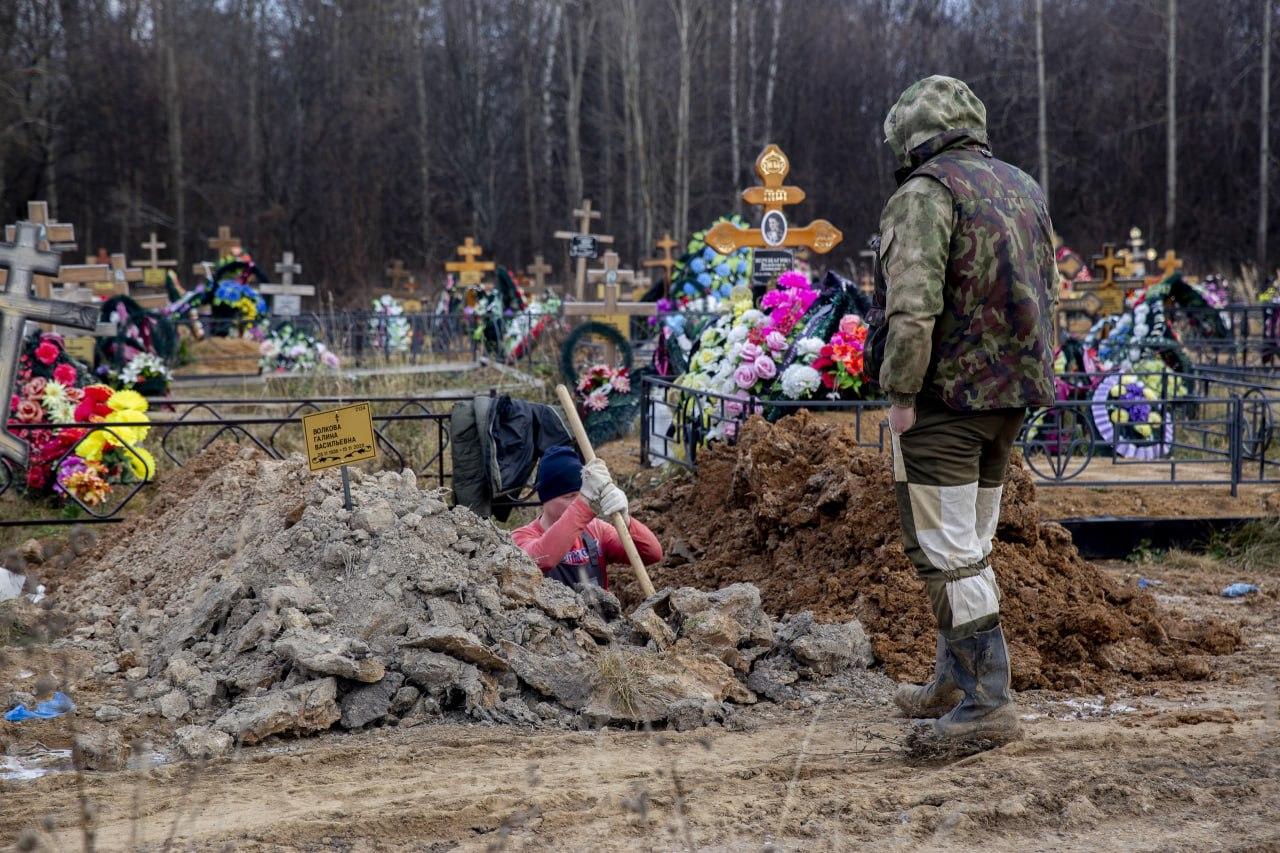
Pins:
x,y
931,116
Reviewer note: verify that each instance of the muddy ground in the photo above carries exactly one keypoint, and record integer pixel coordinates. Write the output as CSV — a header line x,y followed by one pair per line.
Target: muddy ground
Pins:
x,y
1160,766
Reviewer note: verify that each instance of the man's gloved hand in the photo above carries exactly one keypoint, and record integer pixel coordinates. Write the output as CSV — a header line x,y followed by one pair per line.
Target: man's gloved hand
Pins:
x,y
614,500
901,418
595,480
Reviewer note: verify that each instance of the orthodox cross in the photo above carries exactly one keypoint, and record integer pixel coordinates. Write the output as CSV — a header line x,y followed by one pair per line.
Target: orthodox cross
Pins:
x,y
539,269
666,262
583,244
1170,263
470,270
286,297
121,276
224,242
1102,296
23,258
772,166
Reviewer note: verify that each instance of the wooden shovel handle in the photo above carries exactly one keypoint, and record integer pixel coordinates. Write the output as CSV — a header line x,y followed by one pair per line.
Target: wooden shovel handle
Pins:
x,y
619,522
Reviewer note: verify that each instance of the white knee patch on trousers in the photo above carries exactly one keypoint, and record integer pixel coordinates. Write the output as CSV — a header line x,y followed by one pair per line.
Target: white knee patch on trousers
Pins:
x,y
988,517
944,518
973,598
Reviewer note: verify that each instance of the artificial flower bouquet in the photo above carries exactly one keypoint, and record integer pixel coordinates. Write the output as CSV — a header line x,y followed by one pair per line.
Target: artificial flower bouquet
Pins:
x,y
145,373
290,350
238,305
389,330
74,461
608,402
703,279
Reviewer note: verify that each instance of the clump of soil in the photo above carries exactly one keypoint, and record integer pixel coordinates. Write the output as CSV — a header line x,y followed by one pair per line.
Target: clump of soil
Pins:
x,y
801,511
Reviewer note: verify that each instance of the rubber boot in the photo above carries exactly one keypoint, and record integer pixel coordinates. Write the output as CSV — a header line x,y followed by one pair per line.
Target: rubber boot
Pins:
x,y
931,700
986,713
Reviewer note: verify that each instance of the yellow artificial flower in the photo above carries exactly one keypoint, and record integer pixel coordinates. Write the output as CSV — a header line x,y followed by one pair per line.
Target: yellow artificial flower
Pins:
x,y
141,462
129,434
129,400
741,299
93,445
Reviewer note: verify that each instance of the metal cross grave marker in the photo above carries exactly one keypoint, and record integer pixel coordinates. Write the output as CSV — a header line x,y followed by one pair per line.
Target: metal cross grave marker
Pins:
x,y
470,270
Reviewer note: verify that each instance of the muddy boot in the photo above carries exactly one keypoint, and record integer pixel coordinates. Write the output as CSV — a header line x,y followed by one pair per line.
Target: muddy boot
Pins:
x,y
936,698
987,712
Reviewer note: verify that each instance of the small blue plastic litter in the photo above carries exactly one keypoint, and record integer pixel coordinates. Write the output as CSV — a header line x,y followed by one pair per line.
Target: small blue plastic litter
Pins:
x,y
59,704
1239,590
1147,583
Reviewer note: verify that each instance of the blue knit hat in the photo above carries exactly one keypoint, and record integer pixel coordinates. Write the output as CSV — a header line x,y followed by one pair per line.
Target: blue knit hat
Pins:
x,y
559,473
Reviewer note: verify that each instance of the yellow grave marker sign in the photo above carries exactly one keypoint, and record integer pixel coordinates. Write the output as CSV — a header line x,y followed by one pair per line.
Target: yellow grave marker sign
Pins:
x,y
339,436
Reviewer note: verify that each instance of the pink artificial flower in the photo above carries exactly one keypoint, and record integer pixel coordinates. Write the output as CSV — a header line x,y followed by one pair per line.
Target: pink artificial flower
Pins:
x,y
793,279
75,395
30,412
776,341
750,352
597,401
849,324
745,375
47,353
34,388
64,374
765,367
621,383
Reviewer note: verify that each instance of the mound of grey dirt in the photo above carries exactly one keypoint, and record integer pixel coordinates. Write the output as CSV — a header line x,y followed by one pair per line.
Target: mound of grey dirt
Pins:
x,y
256,605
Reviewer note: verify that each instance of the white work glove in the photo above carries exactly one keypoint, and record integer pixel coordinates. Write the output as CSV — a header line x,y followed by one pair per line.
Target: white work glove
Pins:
x,y
613,500
595,480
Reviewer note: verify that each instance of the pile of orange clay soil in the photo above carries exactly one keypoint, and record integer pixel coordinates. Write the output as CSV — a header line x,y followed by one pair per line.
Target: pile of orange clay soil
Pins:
x,y
804,513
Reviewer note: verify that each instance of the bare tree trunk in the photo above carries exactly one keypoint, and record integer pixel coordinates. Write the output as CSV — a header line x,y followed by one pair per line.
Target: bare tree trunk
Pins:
x,y
252,196
735,143
680,213
527,110
419,59
1171,176
605,123
1264,145
548,67
1042,105
635,116
173,115
577,47
772,81
753,73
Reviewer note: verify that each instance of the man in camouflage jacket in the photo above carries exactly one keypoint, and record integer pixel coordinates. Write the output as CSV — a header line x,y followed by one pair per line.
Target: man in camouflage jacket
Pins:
x,y
967,305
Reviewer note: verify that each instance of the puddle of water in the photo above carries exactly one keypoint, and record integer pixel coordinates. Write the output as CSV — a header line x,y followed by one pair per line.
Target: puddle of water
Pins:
x,y
28,767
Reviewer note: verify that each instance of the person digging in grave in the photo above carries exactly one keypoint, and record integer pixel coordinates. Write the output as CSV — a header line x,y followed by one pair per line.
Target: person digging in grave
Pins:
x,y
962,343
572,540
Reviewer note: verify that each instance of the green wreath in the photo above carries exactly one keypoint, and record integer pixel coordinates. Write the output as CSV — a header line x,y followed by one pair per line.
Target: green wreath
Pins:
x,y
604,330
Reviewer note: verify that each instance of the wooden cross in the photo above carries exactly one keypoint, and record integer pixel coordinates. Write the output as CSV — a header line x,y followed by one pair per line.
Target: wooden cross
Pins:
x,y
397,273
1170,263
56,236
153,274
470,270
23,259
584,214
666,262
772,166
224,242
286,297
1101,296
610,309
121,276
539,269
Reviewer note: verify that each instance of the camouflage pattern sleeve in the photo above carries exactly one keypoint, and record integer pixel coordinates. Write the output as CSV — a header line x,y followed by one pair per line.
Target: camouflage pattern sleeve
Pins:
x,y
915,242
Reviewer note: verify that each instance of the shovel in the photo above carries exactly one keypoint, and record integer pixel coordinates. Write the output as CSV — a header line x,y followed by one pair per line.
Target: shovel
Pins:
x,y
619,523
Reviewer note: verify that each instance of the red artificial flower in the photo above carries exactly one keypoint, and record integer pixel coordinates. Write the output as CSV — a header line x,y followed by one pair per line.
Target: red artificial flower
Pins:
x,y
88,411
98,393
829,381
64,374
13,403
38,477
47,353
